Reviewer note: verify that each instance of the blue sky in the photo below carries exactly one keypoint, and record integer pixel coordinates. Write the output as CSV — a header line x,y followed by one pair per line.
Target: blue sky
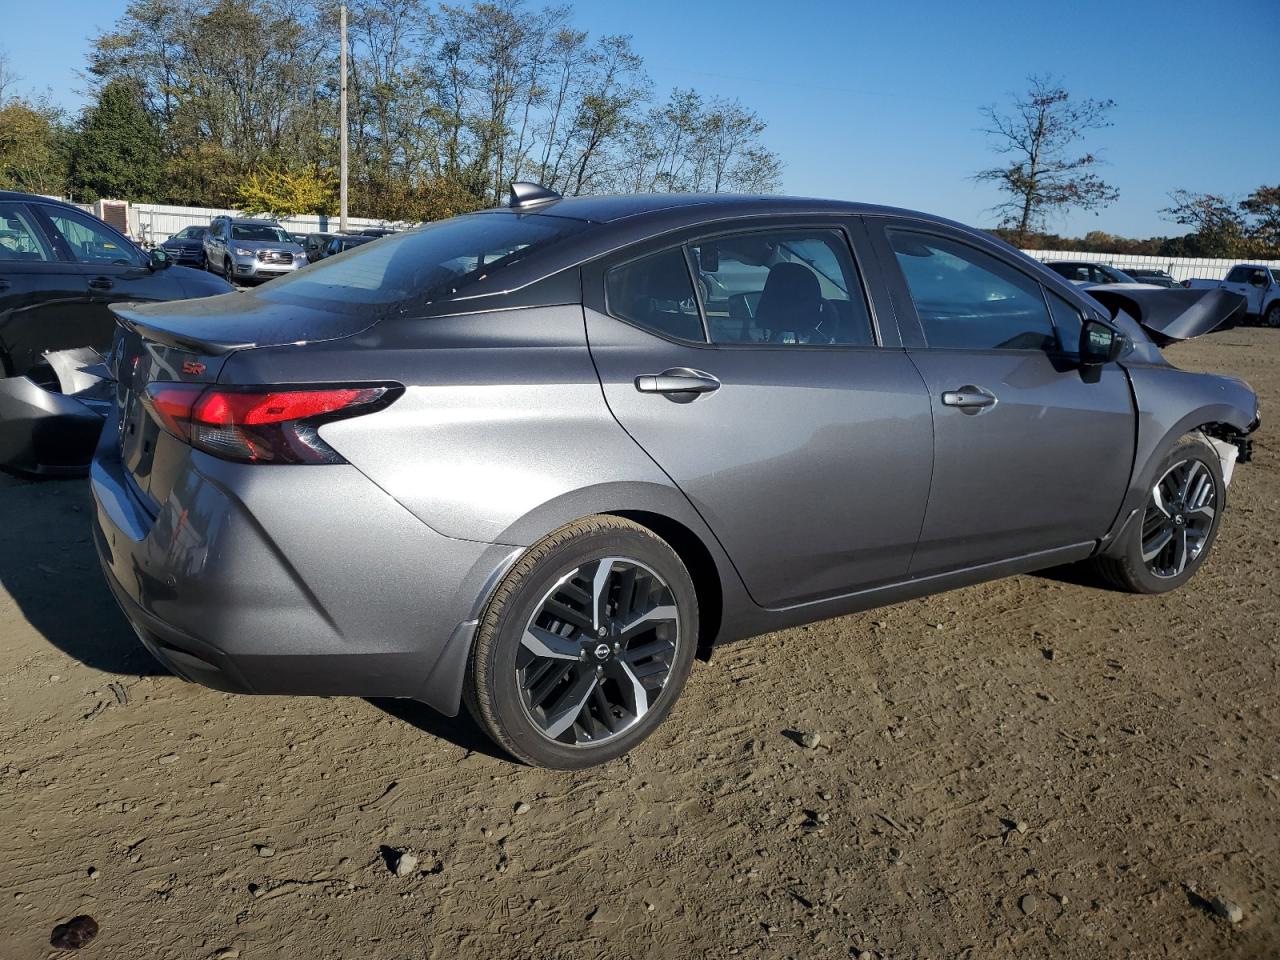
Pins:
x,y
879,101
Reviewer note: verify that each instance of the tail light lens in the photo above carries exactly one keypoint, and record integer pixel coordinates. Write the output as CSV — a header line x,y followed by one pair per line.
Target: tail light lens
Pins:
x,y
261,424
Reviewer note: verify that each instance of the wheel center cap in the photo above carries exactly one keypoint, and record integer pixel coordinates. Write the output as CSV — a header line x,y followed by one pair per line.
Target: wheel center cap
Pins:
x,y
1179,519
602,651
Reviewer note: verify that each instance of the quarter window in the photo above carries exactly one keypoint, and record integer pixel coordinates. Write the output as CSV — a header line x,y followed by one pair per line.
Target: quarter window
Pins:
x,y
90,240
656,293
969,300
19,239
782,287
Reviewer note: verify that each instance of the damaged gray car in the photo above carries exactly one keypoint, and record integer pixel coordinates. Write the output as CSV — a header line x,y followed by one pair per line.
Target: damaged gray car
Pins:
x,y
533,459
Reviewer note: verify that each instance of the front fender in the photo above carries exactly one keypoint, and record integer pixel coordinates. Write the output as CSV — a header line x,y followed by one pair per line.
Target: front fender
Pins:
x,y
1172,403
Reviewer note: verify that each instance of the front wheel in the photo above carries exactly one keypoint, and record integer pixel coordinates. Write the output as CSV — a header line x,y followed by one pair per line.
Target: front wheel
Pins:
x,y
1163,547
585,645
1273,314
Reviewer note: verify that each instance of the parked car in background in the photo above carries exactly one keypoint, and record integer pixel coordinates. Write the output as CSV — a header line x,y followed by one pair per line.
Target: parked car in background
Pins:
x,y
1086,271
1155,277
516,458
314,244
60,271
340,242
376,232
249,251
186,246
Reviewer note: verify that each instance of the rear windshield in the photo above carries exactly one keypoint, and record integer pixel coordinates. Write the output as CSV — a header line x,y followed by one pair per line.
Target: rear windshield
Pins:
x,y
259,231
427,262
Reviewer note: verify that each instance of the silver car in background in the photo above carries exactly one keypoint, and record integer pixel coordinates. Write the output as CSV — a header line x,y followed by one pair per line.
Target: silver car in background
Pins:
x,y
250,251
536,458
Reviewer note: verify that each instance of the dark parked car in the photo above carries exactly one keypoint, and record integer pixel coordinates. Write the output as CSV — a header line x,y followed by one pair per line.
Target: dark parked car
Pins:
x,y
60,269
376,232
314,245
1083,271
342,241
1157,278
534,458
186,246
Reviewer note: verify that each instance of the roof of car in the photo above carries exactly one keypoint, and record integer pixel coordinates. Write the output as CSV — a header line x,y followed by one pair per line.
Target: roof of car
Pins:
x,y
18,195
614,207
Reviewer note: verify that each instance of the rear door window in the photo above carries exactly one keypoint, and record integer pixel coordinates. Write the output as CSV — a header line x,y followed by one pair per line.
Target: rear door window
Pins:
x,y
969,300
795,287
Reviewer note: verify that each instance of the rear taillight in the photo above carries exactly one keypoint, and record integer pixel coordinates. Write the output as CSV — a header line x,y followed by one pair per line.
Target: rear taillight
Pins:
x,y
261,424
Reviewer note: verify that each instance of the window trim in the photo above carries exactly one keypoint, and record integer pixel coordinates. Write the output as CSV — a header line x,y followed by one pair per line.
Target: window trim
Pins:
x,y
42,235
686,237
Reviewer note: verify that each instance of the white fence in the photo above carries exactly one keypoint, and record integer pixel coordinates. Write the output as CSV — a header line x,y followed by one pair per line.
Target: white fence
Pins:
x,y
1180,268
156,223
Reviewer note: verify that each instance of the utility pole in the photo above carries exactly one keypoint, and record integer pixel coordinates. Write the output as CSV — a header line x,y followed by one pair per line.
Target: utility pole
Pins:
x,y
342,123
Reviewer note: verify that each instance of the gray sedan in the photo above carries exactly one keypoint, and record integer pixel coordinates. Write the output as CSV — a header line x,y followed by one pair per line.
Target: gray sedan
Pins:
x,y
536,458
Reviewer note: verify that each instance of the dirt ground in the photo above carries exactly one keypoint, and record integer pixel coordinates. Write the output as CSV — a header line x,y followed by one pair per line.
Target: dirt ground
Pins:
x,y
1030,768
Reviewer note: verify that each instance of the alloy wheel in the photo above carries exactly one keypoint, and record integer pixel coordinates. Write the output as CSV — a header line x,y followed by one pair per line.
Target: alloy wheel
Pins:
x,y
1178,518
596,654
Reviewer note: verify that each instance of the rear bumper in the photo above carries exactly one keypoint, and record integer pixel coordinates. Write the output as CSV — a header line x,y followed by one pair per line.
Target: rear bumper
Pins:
x,y
45,433
292,580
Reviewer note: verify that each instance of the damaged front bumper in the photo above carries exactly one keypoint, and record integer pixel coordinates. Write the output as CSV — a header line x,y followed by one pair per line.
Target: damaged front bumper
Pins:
x,y
49,423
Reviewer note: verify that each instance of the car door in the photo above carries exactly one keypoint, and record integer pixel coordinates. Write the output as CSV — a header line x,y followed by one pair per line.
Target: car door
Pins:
x,y
797,428
112,268
1029,454
43,297
1255,288
1235,282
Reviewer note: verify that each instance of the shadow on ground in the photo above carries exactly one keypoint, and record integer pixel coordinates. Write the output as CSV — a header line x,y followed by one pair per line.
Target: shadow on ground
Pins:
x,y
462,730
49,568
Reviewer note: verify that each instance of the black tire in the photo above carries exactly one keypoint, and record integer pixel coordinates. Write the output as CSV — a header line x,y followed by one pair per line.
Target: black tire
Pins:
x,y
227,270
1124,566
492,690
1273,314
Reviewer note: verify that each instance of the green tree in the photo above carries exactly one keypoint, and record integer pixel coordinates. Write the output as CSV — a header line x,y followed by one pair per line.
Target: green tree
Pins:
x,y
284,193
33,148
1263,208
1218,227
118,151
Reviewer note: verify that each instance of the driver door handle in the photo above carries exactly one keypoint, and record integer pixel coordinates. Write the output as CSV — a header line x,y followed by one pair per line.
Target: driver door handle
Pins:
x,y
678,380
968,398
102,283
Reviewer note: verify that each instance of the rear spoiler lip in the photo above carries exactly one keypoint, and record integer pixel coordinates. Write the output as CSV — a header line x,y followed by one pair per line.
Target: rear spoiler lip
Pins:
x,y
127,317
1169,314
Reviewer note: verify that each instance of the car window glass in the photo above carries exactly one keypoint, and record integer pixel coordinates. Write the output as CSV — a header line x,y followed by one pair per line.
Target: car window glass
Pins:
x,y
437,260
259,231
90,240
1067,321
1072,271
1236,275
967,299
795,287
19,238
655,293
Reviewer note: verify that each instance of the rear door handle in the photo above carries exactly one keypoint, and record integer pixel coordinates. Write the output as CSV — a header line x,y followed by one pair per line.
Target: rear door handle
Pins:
x,y
102,283
4,284
678,380
968,398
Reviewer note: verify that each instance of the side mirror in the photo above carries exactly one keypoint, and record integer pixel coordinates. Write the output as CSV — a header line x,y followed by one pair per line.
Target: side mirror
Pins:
x,y
1099,344
159,259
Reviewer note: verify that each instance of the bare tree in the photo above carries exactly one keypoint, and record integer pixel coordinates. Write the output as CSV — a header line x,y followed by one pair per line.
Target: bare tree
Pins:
x,y
7,77
1045,173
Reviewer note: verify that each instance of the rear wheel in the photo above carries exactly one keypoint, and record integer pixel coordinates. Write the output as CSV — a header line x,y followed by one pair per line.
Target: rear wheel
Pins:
x,y
1162,548
585,646
1273,314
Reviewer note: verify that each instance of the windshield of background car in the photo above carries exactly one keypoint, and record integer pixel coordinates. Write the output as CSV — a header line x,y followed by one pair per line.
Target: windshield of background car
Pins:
x,y
1114,275
259,231
1275,275
439,259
